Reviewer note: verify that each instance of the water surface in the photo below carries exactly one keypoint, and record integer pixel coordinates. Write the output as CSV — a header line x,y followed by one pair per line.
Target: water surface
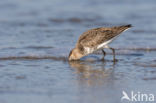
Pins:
x,y
37,35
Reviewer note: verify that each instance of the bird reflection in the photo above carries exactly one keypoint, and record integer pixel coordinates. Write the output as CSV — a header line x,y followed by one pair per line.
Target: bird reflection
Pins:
x,y
91,72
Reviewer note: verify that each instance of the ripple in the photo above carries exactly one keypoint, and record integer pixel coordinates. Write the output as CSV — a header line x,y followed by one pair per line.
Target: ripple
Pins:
x,y
34,58
39,47
73,20
20,77
149,78
145,64
2,65
143,31
137,49
120,51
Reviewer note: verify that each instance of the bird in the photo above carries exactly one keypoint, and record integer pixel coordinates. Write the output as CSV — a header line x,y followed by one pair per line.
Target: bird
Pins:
x,y
96,39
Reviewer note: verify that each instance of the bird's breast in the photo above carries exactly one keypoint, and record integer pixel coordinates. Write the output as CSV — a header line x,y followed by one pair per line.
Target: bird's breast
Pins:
x,y
89,50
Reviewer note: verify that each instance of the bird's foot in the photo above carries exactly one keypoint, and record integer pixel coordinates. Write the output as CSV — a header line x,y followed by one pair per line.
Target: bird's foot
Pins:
x,y
115,60
103,59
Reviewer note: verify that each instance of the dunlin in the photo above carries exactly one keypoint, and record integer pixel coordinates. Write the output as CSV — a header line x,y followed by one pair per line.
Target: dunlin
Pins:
x,y
96,39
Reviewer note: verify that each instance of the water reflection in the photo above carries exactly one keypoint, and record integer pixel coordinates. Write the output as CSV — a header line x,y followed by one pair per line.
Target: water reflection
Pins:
x,y
94,81
92,72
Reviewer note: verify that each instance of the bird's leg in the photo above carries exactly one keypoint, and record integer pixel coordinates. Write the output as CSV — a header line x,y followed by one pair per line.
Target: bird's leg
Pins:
x,y
113,50
104,53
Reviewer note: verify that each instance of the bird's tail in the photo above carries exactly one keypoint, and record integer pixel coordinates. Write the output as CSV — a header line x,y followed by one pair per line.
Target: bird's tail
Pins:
x,y
120,29
124,27
128,26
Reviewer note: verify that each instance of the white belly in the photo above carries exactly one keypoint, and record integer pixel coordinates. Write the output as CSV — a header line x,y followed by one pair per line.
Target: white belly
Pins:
x,y
89,50
101,46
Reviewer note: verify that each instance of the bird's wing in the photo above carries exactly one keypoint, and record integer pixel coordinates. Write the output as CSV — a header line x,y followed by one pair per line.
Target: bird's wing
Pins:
x,y
94,37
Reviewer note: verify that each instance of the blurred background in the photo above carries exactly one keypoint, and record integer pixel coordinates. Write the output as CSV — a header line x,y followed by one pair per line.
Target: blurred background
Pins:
x,y
37,35
46,22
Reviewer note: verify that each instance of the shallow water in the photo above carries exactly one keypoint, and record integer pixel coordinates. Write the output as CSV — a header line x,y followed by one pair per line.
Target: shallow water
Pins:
x,y
37,35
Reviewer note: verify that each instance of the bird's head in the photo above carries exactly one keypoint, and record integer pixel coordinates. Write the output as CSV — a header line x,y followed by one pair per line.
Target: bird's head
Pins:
x,y
74,54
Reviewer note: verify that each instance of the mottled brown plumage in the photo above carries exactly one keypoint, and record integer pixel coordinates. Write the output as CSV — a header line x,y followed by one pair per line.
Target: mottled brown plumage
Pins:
x,y
94,37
